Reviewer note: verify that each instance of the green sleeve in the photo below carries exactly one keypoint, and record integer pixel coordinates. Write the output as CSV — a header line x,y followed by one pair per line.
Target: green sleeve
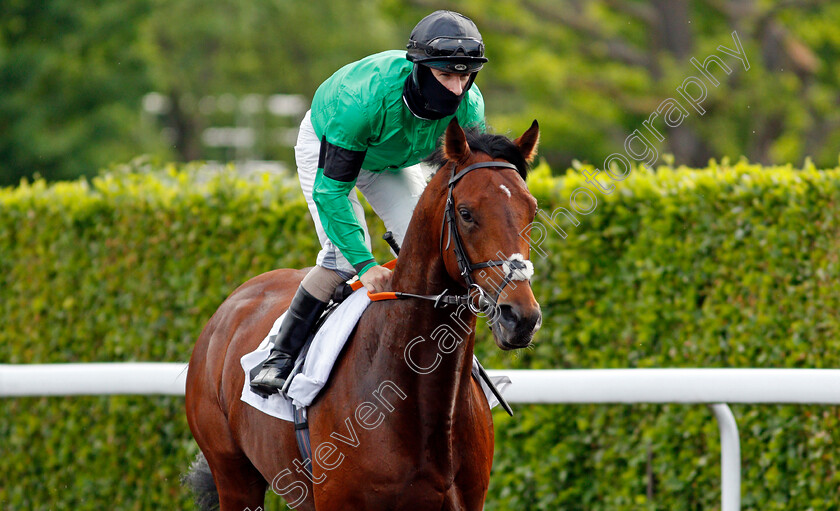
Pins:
x,y
340,222
345,121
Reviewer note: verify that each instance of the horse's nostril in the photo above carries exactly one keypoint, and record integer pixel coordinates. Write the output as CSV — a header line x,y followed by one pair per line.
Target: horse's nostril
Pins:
x,y
508,316
537,321
511,318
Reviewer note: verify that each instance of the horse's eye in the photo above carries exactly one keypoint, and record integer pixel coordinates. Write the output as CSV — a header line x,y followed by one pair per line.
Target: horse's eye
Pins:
x,y
465,214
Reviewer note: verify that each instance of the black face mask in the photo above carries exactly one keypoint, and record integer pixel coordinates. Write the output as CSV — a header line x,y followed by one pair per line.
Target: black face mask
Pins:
x,y
427,98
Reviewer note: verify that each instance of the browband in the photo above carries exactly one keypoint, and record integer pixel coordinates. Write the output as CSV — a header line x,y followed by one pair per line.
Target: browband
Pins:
x,y
480,165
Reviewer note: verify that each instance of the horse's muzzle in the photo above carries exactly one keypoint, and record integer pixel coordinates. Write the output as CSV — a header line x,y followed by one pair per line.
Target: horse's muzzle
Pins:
x,y
514,327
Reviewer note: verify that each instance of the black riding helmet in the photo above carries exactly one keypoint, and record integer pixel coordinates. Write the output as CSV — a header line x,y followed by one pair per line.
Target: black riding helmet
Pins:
x,y
447,41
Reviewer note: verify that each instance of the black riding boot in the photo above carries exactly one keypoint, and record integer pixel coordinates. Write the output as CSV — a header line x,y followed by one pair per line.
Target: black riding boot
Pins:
x,y
303,313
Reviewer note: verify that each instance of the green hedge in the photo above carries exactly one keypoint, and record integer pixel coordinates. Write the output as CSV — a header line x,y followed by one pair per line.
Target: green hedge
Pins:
x,y
728,266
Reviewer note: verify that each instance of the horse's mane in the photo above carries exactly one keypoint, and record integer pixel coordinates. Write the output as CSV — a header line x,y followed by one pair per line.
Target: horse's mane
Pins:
x,y
496,146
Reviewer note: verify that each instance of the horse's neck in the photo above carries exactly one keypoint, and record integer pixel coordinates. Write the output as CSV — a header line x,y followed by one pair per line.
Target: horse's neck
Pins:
x,y
437,386
423,331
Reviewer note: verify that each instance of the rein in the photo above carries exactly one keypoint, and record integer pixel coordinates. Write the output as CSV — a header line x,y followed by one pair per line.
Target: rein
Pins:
x,y
515,268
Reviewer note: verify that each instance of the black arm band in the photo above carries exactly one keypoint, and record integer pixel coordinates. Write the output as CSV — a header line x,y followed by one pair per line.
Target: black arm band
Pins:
x,y
361,266
338,163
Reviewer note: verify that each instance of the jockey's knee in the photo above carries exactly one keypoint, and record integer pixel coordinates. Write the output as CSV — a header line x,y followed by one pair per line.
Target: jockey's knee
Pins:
x,y
321,282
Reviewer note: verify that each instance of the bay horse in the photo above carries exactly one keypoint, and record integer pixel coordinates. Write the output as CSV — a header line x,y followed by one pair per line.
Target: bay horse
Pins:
x,y
402,424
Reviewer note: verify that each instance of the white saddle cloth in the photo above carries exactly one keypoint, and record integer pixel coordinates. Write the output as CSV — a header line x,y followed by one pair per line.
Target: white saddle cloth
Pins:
x,y
324,351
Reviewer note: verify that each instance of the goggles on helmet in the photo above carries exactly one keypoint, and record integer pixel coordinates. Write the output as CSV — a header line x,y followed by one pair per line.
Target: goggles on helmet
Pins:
x,y
451,47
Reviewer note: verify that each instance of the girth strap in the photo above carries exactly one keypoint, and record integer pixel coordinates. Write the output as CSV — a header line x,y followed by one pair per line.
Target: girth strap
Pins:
x,y
302,436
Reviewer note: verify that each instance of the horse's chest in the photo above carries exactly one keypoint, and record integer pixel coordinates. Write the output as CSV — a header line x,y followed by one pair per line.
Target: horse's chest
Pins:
x,y
397,470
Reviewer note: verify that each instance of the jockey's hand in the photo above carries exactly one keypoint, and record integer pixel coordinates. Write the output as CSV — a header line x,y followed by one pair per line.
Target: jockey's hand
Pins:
x,y
377,279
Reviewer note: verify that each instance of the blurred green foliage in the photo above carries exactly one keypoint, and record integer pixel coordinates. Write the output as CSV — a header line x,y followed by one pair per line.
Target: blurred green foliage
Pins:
x,y
73,74
734,265
727,266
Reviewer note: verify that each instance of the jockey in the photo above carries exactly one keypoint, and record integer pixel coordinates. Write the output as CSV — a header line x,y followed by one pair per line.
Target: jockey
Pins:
x,y
370,124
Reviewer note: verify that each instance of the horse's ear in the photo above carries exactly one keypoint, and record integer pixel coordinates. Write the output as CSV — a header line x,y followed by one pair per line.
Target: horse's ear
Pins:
x,y
529,141
455,146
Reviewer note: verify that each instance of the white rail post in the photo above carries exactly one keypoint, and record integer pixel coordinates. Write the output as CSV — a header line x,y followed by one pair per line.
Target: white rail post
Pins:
x,y
730,458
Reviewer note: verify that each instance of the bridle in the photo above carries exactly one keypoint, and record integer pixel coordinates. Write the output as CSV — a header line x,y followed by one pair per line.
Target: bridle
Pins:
x,y
514,268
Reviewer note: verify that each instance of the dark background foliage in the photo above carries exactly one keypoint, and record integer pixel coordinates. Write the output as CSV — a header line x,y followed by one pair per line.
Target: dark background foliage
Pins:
x,y
74,75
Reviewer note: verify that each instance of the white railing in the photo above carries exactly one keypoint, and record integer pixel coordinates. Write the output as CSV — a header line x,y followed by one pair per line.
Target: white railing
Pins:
x,y
94,379
714,387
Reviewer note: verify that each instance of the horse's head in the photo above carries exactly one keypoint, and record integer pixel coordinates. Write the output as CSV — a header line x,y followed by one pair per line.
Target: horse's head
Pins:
x,y
485,227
